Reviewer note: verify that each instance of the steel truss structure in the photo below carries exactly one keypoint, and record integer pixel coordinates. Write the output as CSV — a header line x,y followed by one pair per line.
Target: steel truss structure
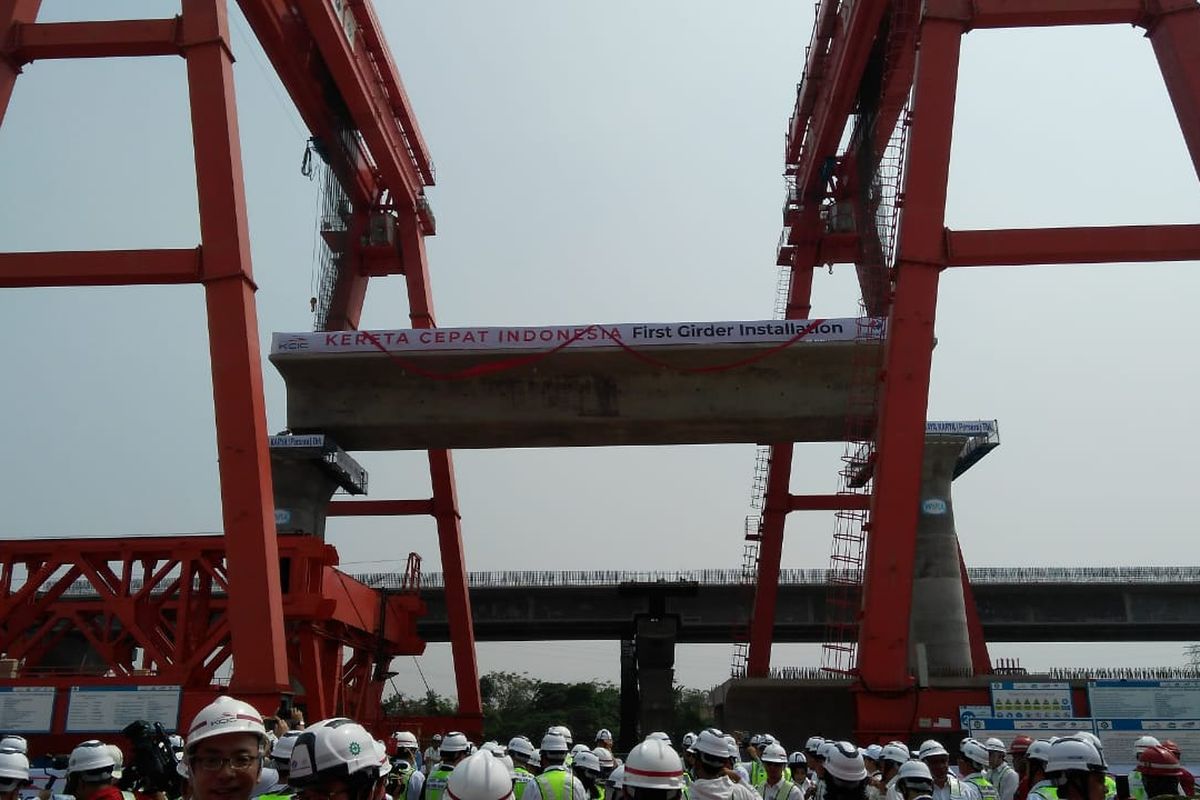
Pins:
x,y
334,63
877,65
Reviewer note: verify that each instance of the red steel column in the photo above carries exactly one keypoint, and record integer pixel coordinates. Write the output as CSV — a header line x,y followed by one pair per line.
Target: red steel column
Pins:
x,y
247,505
12,12
883,663
445,495
1175,36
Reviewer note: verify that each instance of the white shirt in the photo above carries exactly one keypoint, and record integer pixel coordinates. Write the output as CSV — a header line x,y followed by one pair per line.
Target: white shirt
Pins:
x,y
776,791
416,782
573,789
1006,780
955,789
721,788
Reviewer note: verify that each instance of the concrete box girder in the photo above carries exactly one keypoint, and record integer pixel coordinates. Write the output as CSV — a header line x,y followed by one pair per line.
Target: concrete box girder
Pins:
x,y
577,396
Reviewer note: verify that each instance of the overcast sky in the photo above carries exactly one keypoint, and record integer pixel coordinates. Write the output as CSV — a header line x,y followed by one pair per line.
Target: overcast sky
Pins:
x,y
614,162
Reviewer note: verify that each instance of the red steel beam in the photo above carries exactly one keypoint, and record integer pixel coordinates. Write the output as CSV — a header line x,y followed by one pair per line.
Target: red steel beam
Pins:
x,y
883,663
379,508
12,13
1041,13
981,660
100,267
1174,30
107,39
1087,245
241,420
770,554
829,502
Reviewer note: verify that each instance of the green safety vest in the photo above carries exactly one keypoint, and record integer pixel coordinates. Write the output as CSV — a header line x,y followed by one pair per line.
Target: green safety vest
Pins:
x,y
435,784
984,785
1043,789
403,776
1110,787
521,778
556,784
758,774
287,796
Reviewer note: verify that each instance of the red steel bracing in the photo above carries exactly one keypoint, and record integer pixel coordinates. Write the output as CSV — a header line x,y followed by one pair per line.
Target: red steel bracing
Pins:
x,y
336,87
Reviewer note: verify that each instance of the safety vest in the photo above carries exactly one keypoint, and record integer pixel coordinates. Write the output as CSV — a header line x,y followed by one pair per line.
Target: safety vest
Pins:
x,y
521,778
784,790
402,776
1110,787
758,775
556,784
1043,789
435,784
986,790
275,796
953,788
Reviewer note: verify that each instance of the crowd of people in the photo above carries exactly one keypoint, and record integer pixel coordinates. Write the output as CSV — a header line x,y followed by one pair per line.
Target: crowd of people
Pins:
x,y
229,752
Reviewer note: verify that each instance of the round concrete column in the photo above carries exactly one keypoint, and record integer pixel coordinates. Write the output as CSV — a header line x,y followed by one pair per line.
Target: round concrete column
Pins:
x,y
938,634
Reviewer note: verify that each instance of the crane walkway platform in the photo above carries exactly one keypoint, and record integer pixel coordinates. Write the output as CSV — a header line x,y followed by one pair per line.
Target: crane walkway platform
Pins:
x,y
569,386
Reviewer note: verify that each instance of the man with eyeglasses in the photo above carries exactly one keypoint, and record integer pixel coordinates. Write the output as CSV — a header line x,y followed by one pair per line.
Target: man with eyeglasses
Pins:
x,y
224,749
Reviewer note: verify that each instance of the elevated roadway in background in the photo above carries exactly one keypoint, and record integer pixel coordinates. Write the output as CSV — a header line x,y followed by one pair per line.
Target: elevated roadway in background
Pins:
x,y
1015,605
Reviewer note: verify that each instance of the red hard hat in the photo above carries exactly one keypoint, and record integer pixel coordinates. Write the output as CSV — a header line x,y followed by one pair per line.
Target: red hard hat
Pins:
x,y
1020,744
1174,748
1159,761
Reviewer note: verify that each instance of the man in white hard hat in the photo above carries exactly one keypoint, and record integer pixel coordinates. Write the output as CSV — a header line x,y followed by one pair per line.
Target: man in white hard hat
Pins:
x,y
936,757
224,750
1077,769
339,759
14,773
712,757
555,782
604,738
90,772
913,780
1001,775
1037,755
1137,789
892,757
521,750
453,749
779,784
406,781
481,776
845,774
972,765
653,771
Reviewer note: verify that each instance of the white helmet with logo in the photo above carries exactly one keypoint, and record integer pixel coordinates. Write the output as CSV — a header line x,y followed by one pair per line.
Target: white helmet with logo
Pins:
x,y
914,775
92,761
338,750
774,754
587,760
931,748
225,715
480,776
894,752
974,751
14,769
813,744
406,740
281,751
605,757
653,765
1039,750
845,763
519,745
1070,754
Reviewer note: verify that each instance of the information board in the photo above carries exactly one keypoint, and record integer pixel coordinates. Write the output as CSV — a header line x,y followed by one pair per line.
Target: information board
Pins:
x,y
26,709
1118,736
1148,700
1030,700
1007,729
105,709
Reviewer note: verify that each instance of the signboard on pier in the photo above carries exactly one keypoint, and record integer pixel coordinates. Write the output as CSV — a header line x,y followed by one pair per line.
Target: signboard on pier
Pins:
x,y
1031,700
1126,710
979,723
26,709
1118,736
107,709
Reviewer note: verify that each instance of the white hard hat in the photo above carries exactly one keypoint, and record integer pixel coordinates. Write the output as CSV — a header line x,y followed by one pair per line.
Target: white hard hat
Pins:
x,y
225,715
711,743
268,779
974,752
873,752
92,761
931,748
845,763
653,765
616,778
455,742
554,743
798,757
1088,736
1072,754
563,731
118,761
281,751
689,739
1143,742
604,735
813,744
915,772
406,739
14,742
14,769
826,747
661,736
535,760
586,759
895,752
339,748
579,748
496,749
774,754
1039,749
521,746
385,763
605,757
481,776
994,745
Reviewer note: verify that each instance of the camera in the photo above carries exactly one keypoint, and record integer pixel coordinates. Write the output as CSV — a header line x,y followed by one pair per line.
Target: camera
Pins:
x,y
153,766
